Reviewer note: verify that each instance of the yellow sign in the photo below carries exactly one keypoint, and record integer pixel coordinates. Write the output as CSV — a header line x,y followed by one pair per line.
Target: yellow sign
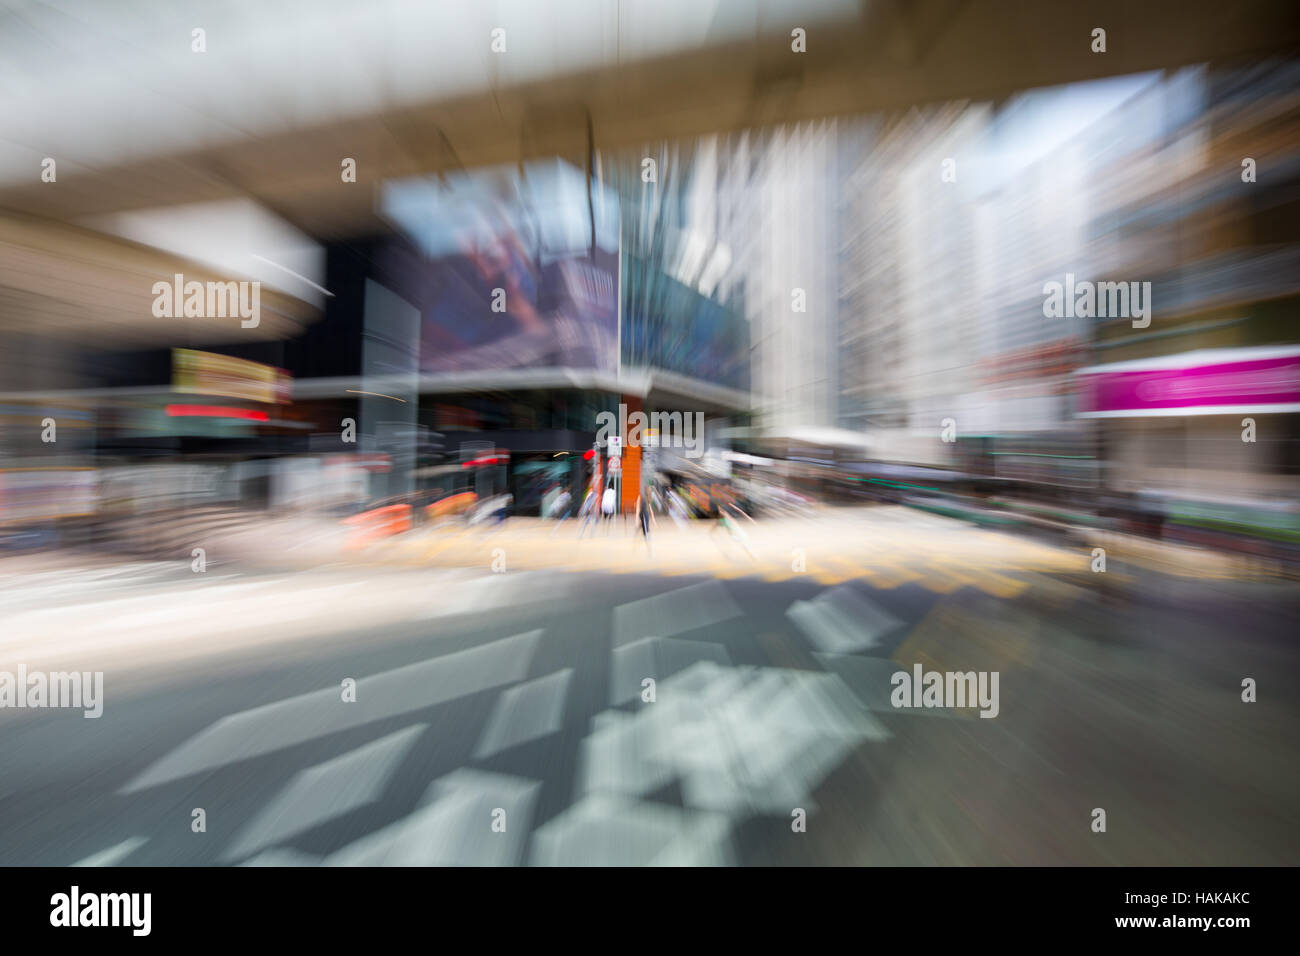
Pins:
x,y
207,373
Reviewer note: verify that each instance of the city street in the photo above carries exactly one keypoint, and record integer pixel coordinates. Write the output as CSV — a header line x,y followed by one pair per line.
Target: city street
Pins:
x,y
504,718
570,434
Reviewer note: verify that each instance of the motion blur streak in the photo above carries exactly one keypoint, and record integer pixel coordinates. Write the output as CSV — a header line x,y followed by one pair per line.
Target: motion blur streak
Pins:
x,y
566,419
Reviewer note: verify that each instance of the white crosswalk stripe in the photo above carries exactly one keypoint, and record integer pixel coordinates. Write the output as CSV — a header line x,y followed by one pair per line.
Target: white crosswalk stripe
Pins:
x,y
841,620
526,712
286,723
326,791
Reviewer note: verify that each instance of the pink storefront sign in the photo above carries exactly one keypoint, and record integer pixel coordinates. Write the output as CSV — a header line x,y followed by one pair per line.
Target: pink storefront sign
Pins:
x,y
1252,380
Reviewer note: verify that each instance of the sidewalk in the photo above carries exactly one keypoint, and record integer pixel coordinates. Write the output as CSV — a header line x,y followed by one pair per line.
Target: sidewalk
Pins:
x,y
1086,530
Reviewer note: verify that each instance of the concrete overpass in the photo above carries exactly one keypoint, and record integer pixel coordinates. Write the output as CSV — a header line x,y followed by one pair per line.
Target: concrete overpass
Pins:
x,y
285,91
140,124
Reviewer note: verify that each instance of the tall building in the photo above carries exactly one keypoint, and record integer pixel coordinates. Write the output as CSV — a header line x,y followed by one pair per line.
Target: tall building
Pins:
x,y
1203,404
911,307
782,220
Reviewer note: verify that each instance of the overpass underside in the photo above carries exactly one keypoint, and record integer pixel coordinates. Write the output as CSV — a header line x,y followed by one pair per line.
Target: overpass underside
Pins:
x,y
889,55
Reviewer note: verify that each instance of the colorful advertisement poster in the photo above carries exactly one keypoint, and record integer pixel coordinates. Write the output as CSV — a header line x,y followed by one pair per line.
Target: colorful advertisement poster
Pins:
x,y
509,272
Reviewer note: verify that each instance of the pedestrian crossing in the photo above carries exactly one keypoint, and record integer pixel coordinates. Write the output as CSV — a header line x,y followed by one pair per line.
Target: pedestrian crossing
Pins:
x,y
763,696
888,549
935,556
734,741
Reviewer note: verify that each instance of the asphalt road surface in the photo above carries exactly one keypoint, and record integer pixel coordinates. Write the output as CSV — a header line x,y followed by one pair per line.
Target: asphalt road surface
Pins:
x,y
507,719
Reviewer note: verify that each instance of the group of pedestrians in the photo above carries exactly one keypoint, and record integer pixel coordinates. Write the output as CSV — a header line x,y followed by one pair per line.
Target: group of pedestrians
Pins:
x,y
598,507
601,507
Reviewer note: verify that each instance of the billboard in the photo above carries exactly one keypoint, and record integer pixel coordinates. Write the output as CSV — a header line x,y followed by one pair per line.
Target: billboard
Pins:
x,y
672,326
508,271
207,373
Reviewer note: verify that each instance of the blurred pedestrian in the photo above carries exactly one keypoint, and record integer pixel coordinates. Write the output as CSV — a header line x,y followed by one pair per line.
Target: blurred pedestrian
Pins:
x,y
496,511
644,516
608,504
561,508
562,505
588,510
727,520
676,508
